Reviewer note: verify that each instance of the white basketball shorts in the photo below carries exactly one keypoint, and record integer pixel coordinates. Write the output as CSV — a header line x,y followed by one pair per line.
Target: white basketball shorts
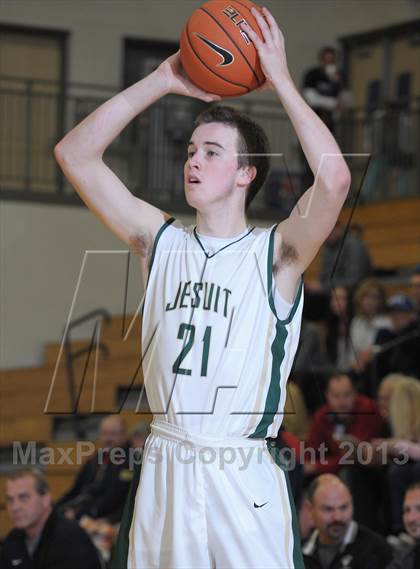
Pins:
x,y
204,503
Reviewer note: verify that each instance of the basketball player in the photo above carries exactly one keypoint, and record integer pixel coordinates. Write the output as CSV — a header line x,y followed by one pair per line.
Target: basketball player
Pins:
x,y
221,321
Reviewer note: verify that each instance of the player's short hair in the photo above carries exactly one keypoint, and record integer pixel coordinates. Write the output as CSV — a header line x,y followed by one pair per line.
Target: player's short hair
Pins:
x,y
41,482
253,147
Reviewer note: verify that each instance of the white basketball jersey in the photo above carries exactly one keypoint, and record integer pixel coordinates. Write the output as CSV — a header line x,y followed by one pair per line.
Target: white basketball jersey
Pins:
x,y
215,355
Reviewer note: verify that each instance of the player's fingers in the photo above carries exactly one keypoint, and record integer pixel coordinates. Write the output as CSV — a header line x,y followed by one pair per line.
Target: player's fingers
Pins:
x,y
189,89
206,97
274,27
253,36
263,25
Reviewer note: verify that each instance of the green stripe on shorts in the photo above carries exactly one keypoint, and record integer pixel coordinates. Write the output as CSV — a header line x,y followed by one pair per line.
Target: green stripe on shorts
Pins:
x,y
120,553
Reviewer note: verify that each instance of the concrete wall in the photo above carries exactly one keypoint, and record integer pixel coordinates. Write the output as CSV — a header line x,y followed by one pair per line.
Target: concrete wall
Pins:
x,y
42,246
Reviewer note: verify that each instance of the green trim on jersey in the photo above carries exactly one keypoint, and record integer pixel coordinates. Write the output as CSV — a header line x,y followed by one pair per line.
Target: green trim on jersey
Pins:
x,y
120,552
271,287
158,235
152,257
274,390
277,348
297,550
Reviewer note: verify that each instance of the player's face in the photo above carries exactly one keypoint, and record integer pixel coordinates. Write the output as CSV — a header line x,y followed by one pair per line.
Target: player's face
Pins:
x,y
332,512
411,513
211,172
24,505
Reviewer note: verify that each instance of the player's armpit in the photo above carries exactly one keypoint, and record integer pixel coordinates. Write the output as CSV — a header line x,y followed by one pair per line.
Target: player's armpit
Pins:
x,y
312,220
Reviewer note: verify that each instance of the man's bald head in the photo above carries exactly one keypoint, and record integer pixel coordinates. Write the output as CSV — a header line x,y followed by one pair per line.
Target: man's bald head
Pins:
x,y
113,432
331,507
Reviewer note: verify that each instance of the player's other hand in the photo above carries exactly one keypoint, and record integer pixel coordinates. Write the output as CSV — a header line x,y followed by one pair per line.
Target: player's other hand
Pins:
x,y
177,82
271,49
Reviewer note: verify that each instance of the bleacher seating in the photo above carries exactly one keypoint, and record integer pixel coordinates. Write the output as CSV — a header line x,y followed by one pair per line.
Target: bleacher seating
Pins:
x,y
391,232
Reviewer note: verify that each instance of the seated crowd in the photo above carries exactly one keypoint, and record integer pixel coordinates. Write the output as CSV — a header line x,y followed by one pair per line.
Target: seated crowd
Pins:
x,y
352,421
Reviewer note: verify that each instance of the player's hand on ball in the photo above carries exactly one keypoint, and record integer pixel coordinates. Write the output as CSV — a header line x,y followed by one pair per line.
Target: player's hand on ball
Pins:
x,y
178,83
271,50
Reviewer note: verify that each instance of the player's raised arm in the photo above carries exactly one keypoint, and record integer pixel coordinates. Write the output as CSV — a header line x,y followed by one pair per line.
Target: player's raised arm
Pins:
x,y
316,213
81,151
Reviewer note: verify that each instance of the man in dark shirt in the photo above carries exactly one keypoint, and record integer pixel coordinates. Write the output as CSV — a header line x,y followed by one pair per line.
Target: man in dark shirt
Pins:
x,y
407,551
41,539
395,350
338,541
103,482
345,260
322,86
399,347
321,89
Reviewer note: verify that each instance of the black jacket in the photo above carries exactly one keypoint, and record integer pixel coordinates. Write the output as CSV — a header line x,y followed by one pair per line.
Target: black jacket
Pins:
x,y
361,549
406,554
402,358
99,490
63,545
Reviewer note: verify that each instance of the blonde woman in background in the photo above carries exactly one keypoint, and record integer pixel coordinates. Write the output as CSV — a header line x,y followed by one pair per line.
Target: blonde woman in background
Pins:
x,y
369,301
403,447
385,391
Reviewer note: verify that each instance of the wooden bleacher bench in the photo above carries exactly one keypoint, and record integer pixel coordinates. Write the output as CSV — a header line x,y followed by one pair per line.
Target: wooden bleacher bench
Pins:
x,y
391,232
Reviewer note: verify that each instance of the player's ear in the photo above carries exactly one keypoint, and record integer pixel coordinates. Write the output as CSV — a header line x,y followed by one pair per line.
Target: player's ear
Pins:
x,y
247,174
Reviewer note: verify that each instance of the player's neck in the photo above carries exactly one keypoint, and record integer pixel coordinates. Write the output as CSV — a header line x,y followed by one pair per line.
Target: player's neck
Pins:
x,y
221,224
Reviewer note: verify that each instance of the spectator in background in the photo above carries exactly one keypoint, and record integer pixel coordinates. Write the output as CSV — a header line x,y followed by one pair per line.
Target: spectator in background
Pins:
x,y
41,539
139,434
311,362
322,86
295,419
345,260
358,231
407,553
339,426
338,541
403,447
338,329
385,391
415,288
395,350
369,301
102,484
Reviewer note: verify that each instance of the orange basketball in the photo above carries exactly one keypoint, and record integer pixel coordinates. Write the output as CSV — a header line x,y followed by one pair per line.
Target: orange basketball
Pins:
x,y
216,54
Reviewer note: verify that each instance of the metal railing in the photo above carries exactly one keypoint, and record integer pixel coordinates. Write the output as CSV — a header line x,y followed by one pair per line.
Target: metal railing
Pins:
x,y
99,316
149,155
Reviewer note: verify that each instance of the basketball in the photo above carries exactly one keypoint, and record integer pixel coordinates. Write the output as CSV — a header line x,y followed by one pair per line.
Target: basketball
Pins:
x,y
216,54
